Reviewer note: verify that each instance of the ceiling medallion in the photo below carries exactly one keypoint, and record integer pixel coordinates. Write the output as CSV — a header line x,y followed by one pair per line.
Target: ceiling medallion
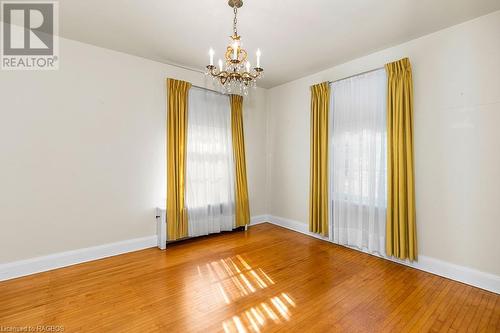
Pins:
x,y
234,75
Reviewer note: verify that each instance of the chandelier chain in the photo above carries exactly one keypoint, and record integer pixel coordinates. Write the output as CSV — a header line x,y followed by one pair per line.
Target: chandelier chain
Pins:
x,y
235,21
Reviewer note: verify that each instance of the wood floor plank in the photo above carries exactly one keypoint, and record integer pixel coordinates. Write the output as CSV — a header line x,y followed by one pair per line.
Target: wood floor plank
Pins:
x,y
267,279
473,326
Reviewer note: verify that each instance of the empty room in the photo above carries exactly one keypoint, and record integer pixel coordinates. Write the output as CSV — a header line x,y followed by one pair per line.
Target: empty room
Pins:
x,y
250,166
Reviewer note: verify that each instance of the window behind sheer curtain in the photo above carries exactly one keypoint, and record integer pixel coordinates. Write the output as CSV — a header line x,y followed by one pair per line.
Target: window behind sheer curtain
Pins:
x,y
358,161
209,163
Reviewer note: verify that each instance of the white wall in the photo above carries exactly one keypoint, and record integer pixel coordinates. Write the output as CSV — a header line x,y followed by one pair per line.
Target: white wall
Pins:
x,y
82,151
254,121
457,141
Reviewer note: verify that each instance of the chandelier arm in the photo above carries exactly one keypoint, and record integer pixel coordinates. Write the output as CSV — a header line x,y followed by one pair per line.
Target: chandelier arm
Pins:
x,y
223,74
251,76
218,74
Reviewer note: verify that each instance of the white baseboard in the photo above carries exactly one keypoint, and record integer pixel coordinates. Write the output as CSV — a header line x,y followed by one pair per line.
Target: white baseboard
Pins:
x,y
46,263
442,268
254,220
455,272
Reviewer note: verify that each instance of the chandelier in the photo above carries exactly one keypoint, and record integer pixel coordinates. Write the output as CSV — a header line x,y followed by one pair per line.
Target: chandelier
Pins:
x,y
234,74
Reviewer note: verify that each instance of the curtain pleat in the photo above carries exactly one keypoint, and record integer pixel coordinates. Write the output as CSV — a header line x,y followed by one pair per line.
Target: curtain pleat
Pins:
x,y
318,198
177,104
241,196
401,235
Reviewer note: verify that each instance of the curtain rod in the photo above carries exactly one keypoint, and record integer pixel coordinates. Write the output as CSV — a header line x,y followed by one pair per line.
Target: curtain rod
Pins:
x,y
211,90
362,73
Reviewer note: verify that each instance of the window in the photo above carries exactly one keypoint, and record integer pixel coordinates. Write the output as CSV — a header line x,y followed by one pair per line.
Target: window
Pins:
x,y
209,163
358,161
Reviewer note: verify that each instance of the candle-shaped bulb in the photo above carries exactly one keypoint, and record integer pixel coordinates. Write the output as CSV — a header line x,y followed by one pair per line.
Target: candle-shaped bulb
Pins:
x,y
235,50
248,66
220,64
211,53
258,58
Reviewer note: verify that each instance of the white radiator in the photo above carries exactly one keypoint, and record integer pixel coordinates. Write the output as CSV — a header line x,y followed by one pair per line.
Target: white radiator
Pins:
x,y
161,227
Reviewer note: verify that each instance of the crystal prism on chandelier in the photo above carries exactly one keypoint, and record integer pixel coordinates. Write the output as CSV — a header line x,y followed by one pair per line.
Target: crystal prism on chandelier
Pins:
x,y
234,74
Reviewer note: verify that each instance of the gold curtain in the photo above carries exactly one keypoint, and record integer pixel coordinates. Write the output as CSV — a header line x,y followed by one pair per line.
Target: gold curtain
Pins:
x,y
241,197
318,198
401,236
177,92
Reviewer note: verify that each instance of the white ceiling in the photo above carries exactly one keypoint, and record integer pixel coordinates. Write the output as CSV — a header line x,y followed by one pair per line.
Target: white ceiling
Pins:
x,y
296,37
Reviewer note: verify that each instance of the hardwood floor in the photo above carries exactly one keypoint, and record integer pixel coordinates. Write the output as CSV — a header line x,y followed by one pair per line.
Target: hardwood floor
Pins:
x,y
267,279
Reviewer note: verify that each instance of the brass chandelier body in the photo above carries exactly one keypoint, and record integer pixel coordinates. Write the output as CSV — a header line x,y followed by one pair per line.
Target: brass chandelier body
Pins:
x,y
234,73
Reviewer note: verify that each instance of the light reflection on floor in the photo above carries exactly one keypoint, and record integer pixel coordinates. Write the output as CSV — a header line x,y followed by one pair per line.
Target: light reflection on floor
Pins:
x,y
234,279
276,310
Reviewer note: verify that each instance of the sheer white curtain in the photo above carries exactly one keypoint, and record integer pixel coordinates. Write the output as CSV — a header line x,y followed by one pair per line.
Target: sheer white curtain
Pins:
x,y
358,161
209,164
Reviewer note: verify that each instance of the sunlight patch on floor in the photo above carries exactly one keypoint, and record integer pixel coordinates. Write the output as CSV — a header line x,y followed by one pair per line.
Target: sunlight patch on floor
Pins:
x,y
276,310
234,278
